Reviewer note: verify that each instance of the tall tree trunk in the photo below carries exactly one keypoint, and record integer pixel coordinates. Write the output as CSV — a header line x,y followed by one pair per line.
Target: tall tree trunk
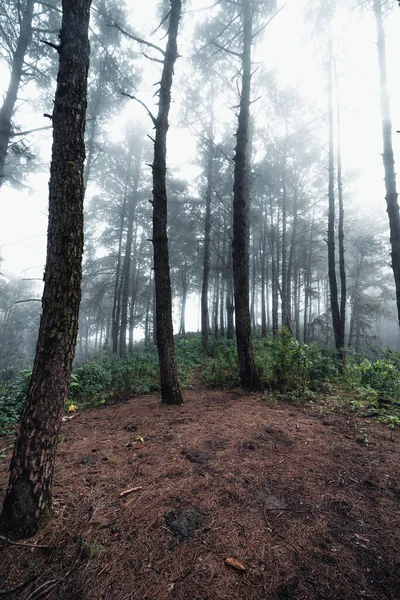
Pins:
x,y
170,388
248,373
230,305
134,293
116,310
182,326
342,266
338,330
28,497
147,317
262,250
387,155
286,318
222,290
126,266
10,99
207,241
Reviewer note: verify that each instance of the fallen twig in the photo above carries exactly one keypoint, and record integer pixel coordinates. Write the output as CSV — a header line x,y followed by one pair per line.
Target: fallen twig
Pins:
x,y
6,447
17,588
134,489
22,544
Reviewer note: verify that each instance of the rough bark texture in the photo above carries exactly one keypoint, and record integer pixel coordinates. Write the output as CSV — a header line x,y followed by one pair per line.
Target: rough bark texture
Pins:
x,y
28,496
10,99
387,155
170,389
248,373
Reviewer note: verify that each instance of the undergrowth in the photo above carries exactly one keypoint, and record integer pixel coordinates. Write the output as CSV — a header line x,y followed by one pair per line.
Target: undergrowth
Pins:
x,y
288,370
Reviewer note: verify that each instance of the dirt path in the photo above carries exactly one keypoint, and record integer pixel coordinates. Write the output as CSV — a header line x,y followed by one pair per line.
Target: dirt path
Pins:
x,y
309,511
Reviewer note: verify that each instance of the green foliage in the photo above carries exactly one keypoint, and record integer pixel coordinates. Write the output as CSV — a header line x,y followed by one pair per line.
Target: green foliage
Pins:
x,y
221,368
12,401
296,370
380,380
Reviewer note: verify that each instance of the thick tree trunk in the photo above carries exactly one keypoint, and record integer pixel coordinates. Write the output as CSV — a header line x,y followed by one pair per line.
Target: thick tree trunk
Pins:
x,y
28,497
387,155
10,99
170,388
248,373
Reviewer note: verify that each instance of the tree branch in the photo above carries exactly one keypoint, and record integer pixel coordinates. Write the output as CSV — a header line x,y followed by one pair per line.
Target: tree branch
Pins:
x,y
238,54
152,117
137,39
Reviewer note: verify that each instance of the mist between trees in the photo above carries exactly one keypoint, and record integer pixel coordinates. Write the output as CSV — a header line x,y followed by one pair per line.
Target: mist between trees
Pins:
x,y
262,230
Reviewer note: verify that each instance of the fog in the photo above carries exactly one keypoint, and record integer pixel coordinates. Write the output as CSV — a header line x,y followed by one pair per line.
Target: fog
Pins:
x,y
287,180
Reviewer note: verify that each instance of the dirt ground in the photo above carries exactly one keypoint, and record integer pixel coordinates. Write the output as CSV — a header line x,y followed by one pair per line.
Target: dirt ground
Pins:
x,y
306,500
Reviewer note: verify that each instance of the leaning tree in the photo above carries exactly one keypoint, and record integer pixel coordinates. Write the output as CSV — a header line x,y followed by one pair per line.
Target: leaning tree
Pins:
x,y
28,497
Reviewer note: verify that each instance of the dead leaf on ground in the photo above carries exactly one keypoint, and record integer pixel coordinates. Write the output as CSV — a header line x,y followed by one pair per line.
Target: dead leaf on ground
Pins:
x,y
236,564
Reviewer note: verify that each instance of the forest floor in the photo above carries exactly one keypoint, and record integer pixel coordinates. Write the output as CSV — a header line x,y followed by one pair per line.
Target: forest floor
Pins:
x,y
305,497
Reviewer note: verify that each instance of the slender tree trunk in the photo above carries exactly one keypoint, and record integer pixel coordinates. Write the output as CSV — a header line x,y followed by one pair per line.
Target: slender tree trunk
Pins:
x,y
182,327
387,155
253,309
222,290
28,497
263,288
147,317
170,388
117,297
286,319
126,266
230,305
338,330
342,267
134,293
10,99
216,298
207,242
248,373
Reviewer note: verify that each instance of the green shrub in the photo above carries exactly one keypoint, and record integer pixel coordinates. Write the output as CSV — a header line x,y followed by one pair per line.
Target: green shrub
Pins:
x,y
12,401
381,376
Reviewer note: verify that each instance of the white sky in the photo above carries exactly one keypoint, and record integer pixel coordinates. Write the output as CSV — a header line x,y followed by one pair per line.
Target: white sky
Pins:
x,y
297,59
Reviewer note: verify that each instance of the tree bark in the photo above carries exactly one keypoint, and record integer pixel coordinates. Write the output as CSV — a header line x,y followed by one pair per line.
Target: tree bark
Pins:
x,y
28,497
126,266
338,329
170,388
116,310
207,241
248,373
387,155
10,99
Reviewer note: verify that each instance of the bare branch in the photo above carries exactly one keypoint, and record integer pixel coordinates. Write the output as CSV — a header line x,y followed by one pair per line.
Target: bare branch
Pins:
x,y
152,117
158,60
276,13
136,38
238,54
162,23
55,46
